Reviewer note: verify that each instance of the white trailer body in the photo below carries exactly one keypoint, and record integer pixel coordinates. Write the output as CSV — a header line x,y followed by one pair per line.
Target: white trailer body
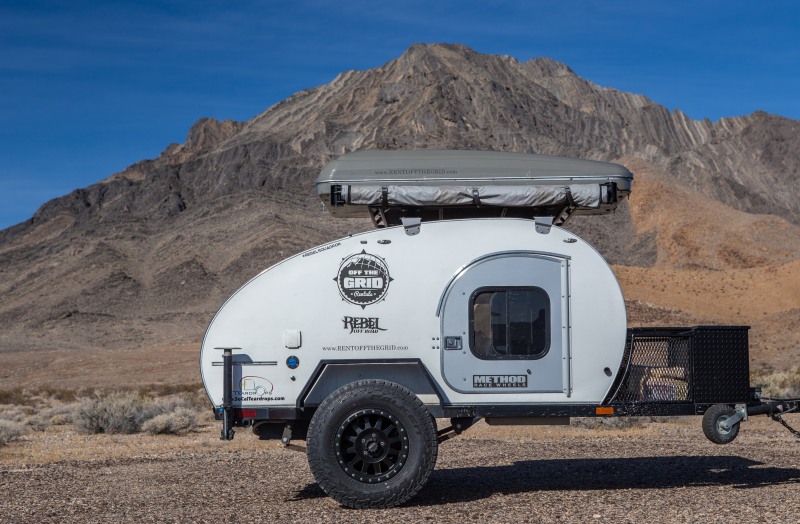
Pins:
x,y
419,291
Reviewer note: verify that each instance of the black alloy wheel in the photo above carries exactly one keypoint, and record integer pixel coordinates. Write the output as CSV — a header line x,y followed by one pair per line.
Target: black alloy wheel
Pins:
x,y
372,444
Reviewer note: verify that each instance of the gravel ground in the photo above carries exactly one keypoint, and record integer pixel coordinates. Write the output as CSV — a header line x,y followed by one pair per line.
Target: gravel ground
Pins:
x,y
658,473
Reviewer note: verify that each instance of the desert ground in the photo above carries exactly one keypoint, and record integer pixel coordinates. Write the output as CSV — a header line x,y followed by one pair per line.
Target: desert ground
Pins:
x,y
656,472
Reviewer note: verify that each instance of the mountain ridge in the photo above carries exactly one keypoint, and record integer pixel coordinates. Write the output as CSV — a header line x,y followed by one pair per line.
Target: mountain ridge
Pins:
x,y
604,124
144,257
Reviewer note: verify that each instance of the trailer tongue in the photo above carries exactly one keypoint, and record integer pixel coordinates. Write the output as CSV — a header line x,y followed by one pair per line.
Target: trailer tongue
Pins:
x,y
468,301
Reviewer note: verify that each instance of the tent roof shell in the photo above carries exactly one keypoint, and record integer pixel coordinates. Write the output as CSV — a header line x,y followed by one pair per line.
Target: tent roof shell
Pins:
x,y
436,167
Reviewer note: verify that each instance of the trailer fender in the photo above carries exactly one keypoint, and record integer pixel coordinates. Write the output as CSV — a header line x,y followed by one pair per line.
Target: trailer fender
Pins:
x,y
331,376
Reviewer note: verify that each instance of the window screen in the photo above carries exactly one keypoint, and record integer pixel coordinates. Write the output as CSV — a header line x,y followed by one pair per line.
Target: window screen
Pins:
x,y
510,323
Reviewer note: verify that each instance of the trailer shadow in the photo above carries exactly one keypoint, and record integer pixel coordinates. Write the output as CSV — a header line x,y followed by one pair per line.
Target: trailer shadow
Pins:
x,y
474,483
470,483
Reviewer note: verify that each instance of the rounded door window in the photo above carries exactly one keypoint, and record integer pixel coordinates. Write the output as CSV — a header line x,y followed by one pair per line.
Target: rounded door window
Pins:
x,y
510,323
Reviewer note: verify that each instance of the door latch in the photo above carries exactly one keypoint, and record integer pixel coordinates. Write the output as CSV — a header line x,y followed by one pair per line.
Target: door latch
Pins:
x,y
452,342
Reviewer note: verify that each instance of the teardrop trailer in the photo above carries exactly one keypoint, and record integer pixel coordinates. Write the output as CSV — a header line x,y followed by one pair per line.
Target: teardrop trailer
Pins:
x,y
468,301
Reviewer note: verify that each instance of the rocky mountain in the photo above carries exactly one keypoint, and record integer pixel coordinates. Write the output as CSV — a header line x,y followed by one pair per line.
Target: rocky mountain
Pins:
x,y
143,258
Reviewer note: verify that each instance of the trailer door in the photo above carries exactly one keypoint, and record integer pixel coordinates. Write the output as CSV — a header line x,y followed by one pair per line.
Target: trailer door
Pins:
x,y
505,325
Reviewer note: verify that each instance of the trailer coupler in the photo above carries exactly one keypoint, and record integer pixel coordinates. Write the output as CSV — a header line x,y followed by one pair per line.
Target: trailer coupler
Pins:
x,y
775,408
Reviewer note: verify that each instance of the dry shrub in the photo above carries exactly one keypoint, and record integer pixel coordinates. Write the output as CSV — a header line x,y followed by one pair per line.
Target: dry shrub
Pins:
x,y
178,422
38,422
60,415
189,396
783,384
62,394
38,419
10,431
61,419
37,396
120,412
130,412
16,395
163,406
12,413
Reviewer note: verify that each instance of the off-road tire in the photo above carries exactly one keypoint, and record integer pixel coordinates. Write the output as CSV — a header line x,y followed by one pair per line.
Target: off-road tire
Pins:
x,y
712,420
406,416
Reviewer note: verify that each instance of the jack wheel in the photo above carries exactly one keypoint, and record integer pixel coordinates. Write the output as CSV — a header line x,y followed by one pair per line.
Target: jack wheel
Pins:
x,y
715,426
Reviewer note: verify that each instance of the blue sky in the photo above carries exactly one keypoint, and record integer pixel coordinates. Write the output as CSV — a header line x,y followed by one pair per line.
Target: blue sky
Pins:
x,y
88,88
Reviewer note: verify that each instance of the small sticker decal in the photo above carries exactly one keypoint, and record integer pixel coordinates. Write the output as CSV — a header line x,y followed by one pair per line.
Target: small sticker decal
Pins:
x,y
321,249
256,386
363,279
255,389
499,381
366,347
292,362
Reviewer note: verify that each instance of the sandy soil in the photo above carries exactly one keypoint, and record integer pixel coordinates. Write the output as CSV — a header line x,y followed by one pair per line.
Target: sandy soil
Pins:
x,y
765,298
657,473
103,368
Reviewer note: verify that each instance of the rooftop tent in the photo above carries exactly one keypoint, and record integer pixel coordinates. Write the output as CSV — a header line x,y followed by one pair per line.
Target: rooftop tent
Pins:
x,y
436,185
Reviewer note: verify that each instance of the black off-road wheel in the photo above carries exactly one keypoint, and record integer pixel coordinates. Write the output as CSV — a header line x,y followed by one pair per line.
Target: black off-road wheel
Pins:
x,y
372,444
713,424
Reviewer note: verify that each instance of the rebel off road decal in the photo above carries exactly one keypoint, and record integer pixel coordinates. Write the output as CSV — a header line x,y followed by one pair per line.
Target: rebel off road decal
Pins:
x,y
363,279
362,324
499,381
